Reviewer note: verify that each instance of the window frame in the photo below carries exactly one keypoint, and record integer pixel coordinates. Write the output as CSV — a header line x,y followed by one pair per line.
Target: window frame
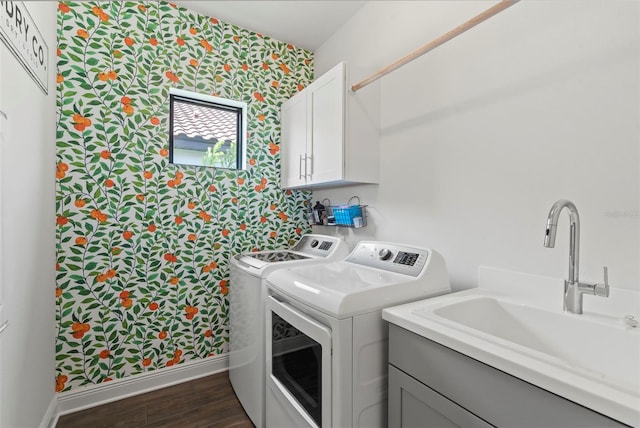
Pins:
x,y
213,102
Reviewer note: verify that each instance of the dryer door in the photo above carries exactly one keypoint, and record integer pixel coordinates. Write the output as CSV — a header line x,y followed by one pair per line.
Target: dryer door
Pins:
x,y
298,367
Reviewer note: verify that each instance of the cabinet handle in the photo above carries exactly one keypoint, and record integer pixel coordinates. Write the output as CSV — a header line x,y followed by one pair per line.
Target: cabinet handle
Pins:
x,y
305,164
302,158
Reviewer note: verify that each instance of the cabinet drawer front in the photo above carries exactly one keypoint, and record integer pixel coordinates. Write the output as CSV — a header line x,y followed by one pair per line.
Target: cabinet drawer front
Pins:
x,y
412,404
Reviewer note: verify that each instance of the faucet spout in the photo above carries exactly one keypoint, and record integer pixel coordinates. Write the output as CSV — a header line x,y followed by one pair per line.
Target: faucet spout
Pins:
x,y
574,234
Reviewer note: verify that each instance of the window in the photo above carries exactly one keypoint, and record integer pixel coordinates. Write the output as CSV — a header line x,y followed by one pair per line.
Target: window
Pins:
x,y
206,130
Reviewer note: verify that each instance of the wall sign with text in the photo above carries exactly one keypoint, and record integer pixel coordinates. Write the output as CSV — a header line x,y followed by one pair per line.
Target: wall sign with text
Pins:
x,y
21,35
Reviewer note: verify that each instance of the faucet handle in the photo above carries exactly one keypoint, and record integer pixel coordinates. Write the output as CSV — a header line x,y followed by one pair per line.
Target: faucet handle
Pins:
x,y
602,290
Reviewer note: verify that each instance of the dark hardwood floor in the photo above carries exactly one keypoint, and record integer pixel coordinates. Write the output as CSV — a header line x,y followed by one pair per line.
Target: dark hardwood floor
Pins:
x,y
205,402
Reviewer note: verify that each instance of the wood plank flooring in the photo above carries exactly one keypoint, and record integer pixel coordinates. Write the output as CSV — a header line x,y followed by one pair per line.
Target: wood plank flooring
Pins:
x,y
204,402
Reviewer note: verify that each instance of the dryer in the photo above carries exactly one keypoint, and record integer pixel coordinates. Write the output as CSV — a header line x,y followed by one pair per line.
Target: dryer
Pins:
x,y
247,296
327,343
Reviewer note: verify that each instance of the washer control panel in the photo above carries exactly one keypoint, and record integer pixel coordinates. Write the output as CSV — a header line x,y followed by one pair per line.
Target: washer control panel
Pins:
x,y
391,257
317,245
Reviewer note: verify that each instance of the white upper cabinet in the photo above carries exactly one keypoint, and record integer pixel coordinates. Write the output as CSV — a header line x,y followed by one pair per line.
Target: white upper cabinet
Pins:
x,y
330,135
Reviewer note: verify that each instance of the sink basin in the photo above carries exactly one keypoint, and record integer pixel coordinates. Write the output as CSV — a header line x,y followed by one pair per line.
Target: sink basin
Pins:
x,y
608,351
593,360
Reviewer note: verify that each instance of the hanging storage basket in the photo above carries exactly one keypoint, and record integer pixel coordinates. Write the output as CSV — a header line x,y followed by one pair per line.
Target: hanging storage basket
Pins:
x,y
348,215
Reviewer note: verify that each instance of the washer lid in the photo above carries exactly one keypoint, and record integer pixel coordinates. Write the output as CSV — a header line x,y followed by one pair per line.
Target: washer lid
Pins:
x,y
344,288
312,248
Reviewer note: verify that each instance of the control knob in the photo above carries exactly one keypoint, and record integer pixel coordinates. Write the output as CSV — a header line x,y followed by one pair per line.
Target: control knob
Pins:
x,y
385,254
314,243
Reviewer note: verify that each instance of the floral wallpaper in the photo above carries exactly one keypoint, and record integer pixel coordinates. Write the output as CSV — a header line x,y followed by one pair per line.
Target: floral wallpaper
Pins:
x,y
143,245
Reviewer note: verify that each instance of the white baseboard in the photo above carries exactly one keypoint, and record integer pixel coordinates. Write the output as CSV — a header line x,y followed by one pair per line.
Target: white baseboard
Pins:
x,y
50,418
95,395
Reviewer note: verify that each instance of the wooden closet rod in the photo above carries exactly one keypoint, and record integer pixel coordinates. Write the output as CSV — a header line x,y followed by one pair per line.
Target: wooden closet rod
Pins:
x,y
437,42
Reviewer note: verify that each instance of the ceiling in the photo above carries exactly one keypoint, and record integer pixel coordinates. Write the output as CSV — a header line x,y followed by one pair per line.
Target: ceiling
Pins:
x,y
303,23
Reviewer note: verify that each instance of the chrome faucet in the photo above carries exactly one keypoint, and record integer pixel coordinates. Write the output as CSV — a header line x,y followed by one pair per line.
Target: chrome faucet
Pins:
x,y
573,288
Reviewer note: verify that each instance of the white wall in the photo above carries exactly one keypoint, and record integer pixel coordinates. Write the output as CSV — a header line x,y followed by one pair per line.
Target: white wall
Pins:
x,y
27,357
482,135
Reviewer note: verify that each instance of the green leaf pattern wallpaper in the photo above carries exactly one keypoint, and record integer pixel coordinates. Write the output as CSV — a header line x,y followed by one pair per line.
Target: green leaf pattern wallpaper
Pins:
x,y
143,245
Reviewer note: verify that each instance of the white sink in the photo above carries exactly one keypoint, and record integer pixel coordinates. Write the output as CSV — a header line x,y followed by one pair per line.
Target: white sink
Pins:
x,y
591,359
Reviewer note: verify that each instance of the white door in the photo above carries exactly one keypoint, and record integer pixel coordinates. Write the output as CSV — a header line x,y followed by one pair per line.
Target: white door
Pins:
x,y
293,144
298,368
327,138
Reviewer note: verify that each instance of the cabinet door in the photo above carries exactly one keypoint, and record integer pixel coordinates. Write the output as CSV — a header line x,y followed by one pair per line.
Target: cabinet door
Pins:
x,y
293,144
326,101
413,404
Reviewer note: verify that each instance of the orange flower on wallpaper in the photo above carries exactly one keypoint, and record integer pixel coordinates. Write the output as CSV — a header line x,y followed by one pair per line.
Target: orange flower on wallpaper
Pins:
x,y
62,220
153,306
162,335
153,41
64,8
60,382
265,66
208,333
261,117
258,96
236,39
178,219
142,8
59,78
191,205
79,329
147,175
126,105
283,216
193,62
151,228
273,148
245,67
61,169
104,354
179,41
227,67
225,232
174,280
58,292
81,240
171,76
284,68
170,257
82,33
109,182
100,13
127,234
80,123
204,216
212,188
99,215
224,288
205,44
129,41
214,21
190,312
192,237
193,30
146,362
155,121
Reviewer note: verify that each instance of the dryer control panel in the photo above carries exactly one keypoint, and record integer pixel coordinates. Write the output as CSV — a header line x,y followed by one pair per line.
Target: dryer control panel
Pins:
x,y
391,257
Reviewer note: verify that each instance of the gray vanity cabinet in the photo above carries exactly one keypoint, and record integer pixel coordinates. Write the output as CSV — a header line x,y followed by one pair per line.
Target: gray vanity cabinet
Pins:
x,y
431,385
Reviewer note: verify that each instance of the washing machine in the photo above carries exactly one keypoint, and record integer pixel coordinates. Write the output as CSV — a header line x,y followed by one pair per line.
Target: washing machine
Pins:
x,y
327,344
247,312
